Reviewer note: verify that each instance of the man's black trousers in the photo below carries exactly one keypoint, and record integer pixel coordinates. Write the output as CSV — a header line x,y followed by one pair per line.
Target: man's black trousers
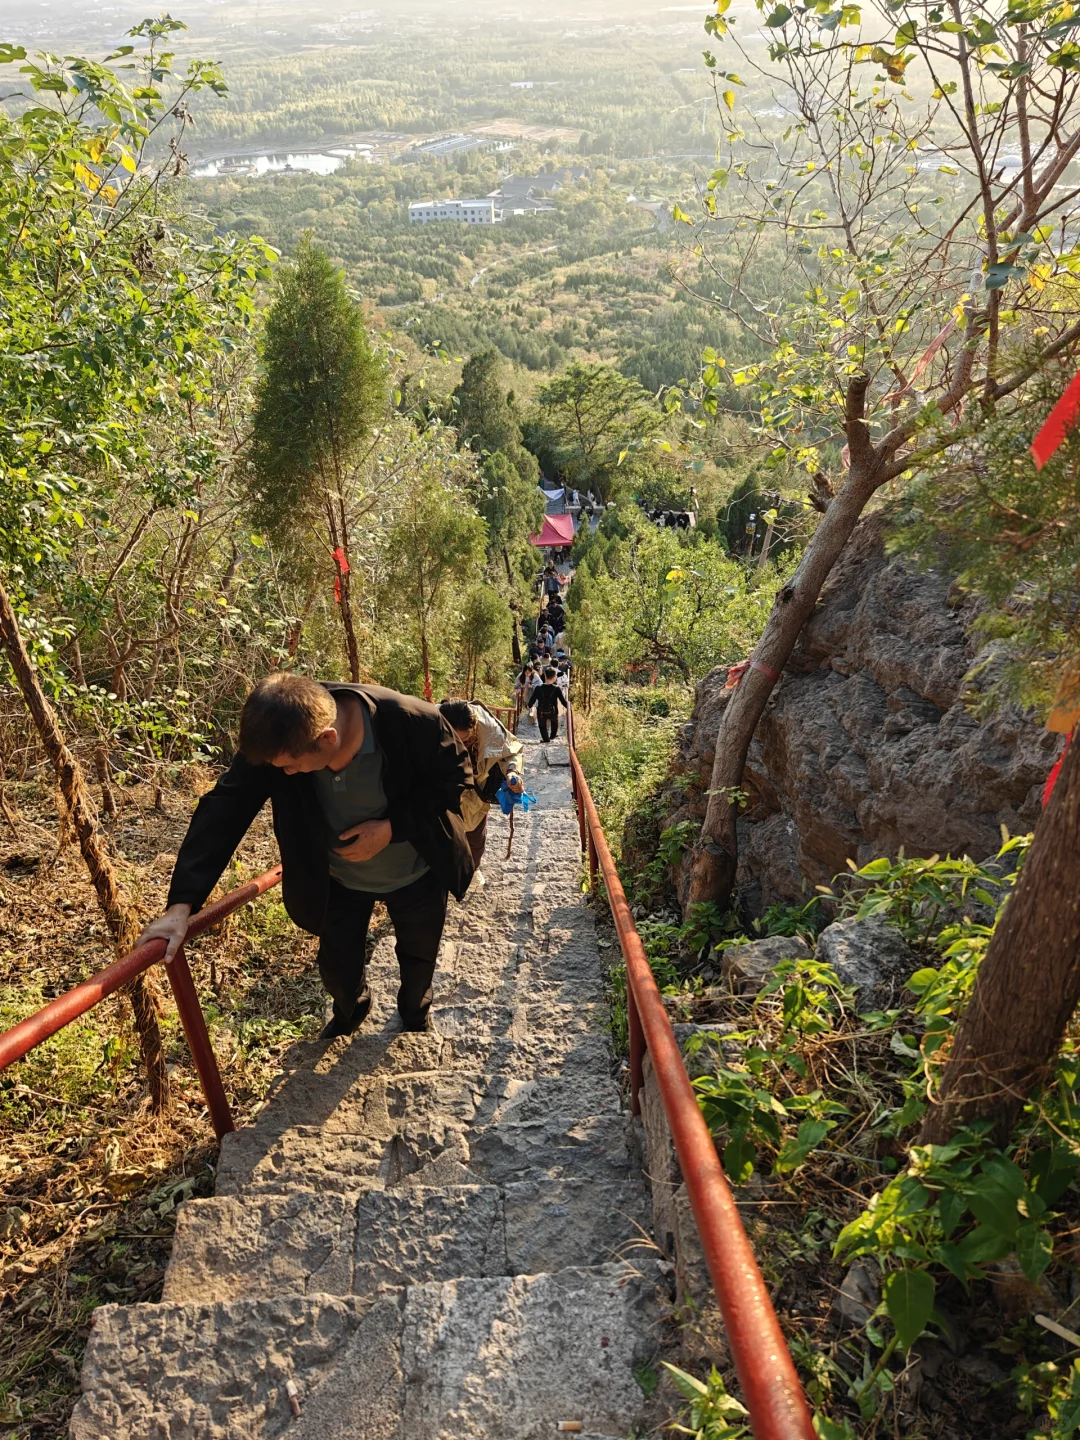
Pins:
x,y
417,913
549,724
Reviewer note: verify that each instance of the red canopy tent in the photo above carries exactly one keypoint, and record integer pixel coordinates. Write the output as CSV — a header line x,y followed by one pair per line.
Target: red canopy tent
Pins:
x,y
558,531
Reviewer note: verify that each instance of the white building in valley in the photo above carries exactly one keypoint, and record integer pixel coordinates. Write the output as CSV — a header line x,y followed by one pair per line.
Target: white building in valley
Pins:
x,y
472,212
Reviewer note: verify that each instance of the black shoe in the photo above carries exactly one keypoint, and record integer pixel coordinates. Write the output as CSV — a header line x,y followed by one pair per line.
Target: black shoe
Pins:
x,y
336,1026
411,1025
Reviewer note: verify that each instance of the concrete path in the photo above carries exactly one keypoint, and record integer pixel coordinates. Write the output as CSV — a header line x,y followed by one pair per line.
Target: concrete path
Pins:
x,y
430,1237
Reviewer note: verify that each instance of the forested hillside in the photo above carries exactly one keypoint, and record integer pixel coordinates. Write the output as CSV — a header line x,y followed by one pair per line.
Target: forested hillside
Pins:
x,y
254,422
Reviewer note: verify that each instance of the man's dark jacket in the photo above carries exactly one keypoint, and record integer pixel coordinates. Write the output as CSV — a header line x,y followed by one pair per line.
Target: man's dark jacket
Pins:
x,y
546,699
425,769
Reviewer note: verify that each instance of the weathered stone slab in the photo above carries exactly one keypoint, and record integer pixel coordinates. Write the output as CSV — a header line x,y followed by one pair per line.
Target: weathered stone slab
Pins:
x,y
420,1234
661,1162
305,1157
468,1359
510,1359
218,1371
551,1225
701,1330
558,1053
510,1100
557,1147
299,1242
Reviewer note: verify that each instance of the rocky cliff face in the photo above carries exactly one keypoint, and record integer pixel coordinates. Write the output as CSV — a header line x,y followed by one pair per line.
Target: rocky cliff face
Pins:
x,y
869,743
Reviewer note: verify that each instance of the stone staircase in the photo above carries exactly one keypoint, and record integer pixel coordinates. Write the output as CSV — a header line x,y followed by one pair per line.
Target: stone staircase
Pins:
x,y
423,1237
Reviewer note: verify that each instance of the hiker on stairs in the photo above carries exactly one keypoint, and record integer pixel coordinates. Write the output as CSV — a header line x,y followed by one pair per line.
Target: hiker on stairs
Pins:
x,y
545,700
366,787
496,756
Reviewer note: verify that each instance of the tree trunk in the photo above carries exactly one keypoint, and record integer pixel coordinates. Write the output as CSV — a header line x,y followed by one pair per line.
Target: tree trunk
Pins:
x,y
515,618
77,663
427,668
101,764
119,915
1028,985
716,856
352,649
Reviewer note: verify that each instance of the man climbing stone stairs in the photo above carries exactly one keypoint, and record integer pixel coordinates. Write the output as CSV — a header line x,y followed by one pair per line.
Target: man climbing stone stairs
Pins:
x,y
434,1236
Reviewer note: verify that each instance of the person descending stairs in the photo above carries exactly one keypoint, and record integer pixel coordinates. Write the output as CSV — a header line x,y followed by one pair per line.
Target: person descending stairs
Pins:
x,y
436,1234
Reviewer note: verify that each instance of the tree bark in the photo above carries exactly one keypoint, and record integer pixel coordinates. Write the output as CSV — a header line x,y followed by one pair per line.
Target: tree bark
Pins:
x,y
515,618
1028,985
427,667
715,857
101,764
352,649
119,914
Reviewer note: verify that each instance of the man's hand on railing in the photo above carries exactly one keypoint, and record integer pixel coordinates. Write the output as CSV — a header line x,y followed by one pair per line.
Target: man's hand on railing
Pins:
x,y
170,927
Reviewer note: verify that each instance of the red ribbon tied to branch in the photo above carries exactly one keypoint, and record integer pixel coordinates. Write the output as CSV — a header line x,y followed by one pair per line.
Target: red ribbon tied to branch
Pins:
x,y
1058,424
736,672
342,569
1052,778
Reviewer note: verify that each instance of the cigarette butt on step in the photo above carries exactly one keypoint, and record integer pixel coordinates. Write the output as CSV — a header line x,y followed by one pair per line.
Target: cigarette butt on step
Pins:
x,y
574,1427
294,1398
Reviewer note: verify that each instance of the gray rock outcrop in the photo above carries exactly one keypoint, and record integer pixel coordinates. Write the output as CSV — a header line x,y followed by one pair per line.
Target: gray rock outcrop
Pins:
x,y
870,956
748,967
869,744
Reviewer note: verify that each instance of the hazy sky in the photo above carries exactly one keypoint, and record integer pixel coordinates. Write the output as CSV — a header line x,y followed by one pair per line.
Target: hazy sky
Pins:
x,y
96,23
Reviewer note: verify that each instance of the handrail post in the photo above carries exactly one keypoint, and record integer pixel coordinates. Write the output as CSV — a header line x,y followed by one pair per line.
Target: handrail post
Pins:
x,y
202,1052
593,862
636,1036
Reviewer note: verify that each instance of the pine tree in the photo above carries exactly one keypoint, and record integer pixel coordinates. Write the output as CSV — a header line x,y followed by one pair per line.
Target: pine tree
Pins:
x,y
322,393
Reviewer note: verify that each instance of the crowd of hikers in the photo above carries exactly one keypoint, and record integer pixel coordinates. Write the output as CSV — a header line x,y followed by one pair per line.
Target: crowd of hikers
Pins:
x,y
377,797
544,682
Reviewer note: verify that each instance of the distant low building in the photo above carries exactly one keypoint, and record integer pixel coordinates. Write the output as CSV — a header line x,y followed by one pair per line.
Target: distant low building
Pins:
x,y
471,212
527,194
515,189
439,146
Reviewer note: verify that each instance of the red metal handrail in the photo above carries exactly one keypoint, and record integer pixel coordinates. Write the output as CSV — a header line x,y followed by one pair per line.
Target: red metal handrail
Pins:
x,y
28,1033
508,715
771,1389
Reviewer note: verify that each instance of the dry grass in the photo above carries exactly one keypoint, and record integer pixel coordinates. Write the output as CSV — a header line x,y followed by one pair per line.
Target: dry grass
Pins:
x,y
89,1179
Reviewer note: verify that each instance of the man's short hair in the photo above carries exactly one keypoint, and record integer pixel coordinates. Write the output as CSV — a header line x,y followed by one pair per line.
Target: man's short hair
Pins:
x,y
458,714
549,673
284,715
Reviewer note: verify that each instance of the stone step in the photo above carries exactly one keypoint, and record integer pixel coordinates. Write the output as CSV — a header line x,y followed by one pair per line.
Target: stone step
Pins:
x,y
548,960
377,1104
344,1063
596,1148
438,1235
469,1359
341,1243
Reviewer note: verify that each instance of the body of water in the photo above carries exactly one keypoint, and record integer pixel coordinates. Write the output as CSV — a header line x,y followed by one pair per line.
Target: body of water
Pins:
x,y
314,162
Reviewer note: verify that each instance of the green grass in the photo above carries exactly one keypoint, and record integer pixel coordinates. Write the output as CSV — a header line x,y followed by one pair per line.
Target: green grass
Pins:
x,y
625,744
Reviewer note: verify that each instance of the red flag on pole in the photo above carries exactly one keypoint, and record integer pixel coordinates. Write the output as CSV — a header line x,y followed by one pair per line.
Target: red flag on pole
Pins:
x,y
1058,424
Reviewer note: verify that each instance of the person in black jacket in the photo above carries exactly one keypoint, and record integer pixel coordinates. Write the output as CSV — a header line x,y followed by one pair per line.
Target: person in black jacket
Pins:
x,y
545,700
366,788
